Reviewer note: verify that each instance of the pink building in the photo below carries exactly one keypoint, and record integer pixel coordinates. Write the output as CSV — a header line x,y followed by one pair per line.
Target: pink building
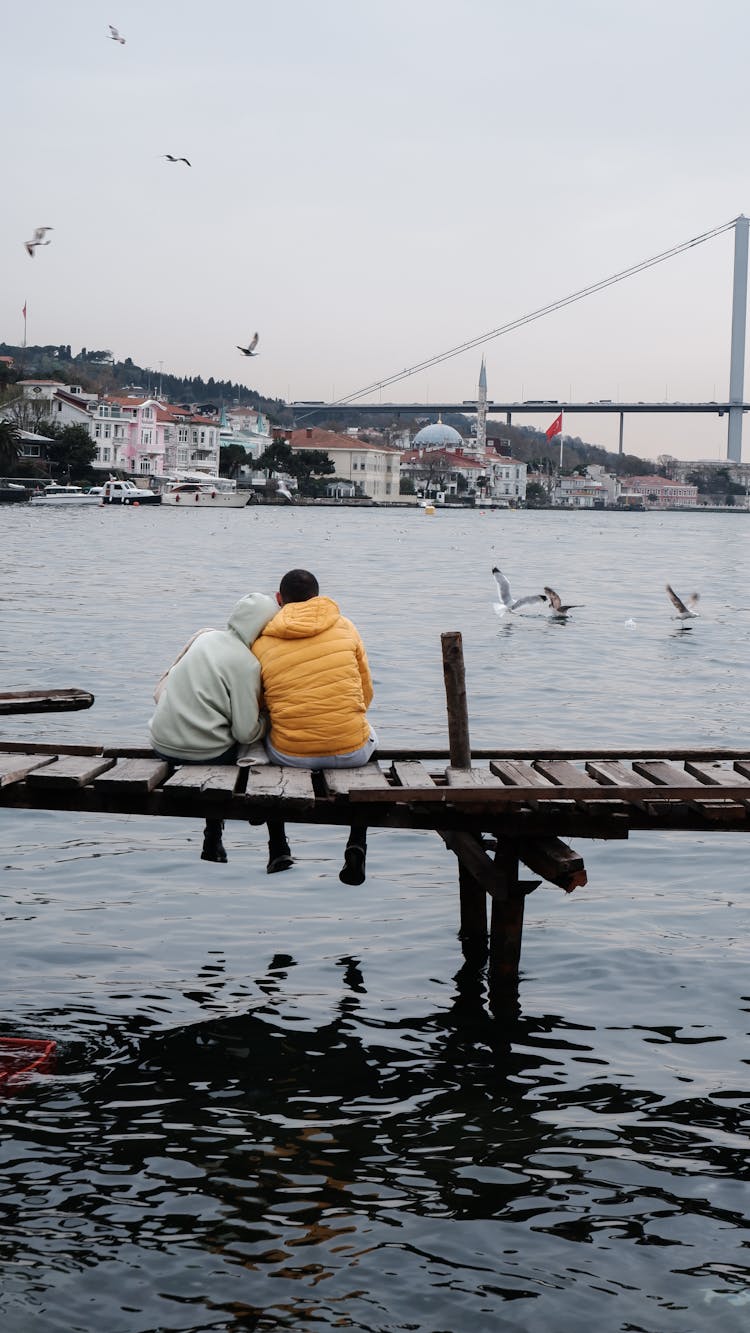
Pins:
x,y
145,437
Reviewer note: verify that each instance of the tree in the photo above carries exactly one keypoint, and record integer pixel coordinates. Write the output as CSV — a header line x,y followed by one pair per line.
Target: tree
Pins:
x,y
71,452
10,446
536,495
309,465
232,457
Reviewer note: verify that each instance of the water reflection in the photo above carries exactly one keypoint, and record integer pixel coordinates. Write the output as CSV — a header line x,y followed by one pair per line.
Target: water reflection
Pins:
x,y
252,1172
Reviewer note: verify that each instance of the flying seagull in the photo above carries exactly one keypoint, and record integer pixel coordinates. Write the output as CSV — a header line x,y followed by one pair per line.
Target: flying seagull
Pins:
x,y
685,610
251,346
559,612
37,239
176,159
511,603
114,36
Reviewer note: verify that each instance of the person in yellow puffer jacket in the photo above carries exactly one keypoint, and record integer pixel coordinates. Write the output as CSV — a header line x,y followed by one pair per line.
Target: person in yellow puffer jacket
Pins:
x,y
317,688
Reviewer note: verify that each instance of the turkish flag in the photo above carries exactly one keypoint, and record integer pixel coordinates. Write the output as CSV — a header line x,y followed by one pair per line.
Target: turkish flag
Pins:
x,y
555,428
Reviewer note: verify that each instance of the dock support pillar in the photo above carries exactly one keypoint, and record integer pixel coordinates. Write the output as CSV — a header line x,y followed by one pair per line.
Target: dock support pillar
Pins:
x,y
506,931
473,898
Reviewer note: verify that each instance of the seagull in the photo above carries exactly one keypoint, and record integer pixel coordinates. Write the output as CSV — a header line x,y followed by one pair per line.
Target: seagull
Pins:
x,y
506,597
176,159
685,610
251,346
559,612
114,36
37,239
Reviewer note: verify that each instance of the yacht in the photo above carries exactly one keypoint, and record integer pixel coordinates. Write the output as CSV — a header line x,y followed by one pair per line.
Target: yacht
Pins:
x,y
196,490
66,495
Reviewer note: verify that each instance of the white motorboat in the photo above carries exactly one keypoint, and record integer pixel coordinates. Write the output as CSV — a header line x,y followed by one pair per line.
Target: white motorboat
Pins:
x,y
198,491
65,495
126,493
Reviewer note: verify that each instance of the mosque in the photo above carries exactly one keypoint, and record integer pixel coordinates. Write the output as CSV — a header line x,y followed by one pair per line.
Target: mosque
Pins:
x,y
442,463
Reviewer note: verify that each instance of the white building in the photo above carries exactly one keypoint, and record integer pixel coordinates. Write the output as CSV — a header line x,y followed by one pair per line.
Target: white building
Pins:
x,y
373,468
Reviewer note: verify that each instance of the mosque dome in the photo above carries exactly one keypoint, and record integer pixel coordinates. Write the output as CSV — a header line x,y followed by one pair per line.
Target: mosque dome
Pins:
x,y
437,436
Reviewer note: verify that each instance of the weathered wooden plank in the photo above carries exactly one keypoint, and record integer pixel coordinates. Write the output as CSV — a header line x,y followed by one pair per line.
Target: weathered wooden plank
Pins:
x,y
517,773
268,782
44,701
133,775
211,781
15,767
511,796
610,772
363,780
411,773
70,771
555,861
471,777
715,775
563,774
665,773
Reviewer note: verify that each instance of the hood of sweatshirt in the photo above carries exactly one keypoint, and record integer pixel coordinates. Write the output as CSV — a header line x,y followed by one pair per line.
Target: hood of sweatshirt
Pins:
x,y
251,614
301,620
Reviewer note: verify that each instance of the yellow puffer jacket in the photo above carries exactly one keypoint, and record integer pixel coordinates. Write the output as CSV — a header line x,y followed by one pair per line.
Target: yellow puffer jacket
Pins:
x,y
316,680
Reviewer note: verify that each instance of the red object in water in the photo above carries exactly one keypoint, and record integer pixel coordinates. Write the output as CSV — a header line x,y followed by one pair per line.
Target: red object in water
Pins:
x,y
24,1055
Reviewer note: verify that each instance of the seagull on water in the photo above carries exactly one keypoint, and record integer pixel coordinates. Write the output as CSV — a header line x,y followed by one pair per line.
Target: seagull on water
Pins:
x,y
685,610
176,159
114,35
37,239
251,346
507,601
559,612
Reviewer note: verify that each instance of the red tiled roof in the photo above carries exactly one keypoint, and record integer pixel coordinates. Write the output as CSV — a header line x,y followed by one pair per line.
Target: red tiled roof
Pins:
x,y
316,438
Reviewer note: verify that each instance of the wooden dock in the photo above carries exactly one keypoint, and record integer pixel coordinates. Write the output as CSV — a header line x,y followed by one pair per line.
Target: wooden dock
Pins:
x,y
496,810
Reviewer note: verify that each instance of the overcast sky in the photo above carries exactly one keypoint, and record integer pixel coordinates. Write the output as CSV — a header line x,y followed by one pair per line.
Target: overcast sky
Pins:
x,y
375,183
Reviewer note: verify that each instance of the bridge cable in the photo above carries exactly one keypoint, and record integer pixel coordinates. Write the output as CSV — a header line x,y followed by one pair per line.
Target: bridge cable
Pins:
x,y
534,315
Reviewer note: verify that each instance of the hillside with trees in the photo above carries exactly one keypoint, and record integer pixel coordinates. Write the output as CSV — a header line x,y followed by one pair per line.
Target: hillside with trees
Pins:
x,y
97,371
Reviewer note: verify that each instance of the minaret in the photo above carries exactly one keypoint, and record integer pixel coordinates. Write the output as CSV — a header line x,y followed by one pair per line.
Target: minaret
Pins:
x,y
482,412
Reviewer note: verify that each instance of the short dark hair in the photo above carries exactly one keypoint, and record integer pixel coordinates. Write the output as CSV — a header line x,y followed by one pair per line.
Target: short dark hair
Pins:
x,y
298,585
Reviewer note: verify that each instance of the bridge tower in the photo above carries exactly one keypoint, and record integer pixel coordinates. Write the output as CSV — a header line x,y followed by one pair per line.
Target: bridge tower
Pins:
x,y
482,412
737,354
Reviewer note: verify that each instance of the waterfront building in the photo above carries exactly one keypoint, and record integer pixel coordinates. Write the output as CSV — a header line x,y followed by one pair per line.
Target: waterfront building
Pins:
x,y
658,493
37,401
373,468
437,473
147,438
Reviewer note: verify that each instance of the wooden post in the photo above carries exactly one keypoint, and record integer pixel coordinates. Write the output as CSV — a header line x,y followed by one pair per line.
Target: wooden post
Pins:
x,y
506,931
473,928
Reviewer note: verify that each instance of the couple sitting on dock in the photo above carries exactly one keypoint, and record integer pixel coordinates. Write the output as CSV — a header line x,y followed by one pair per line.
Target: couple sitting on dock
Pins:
x,y
290,669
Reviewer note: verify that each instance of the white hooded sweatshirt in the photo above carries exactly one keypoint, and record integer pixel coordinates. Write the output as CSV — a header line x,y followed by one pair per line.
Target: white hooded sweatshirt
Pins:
x,y
210,696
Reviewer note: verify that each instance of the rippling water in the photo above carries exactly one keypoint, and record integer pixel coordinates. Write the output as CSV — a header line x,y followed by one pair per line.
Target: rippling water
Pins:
x,y
282,1103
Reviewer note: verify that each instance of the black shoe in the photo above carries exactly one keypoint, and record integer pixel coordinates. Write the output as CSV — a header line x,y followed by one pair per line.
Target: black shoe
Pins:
x,y
282,861
353,869
213,847
214,851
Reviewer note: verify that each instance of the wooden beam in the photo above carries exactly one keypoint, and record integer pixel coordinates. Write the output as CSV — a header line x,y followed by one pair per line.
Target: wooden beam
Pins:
x,y
554,861
44,701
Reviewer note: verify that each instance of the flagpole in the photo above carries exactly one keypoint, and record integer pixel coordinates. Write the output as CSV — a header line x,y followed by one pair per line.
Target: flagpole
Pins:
x,y
561,443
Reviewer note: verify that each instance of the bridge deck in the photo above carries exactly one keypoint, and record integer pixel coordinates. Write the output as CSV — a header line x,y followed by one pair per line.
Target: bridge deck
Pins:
x,y
511,795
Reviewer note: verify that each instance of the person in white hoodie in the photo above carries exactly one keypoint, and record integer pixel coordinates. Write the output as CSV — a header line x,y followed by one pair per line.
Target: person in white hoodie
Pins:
x,y
208,704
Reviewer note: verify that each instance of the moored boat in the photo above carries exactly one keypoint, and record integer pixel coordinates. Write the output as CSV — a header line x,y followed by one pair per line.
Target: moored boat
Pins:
x,y
196,491
65,495
126,493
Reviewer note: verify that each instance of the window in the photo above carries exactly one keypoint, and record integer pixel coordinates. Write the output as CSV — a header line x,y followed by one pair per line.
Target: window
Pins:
x,y
97,431
144,465
106,453
145,437
118,432
107,430
147,414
